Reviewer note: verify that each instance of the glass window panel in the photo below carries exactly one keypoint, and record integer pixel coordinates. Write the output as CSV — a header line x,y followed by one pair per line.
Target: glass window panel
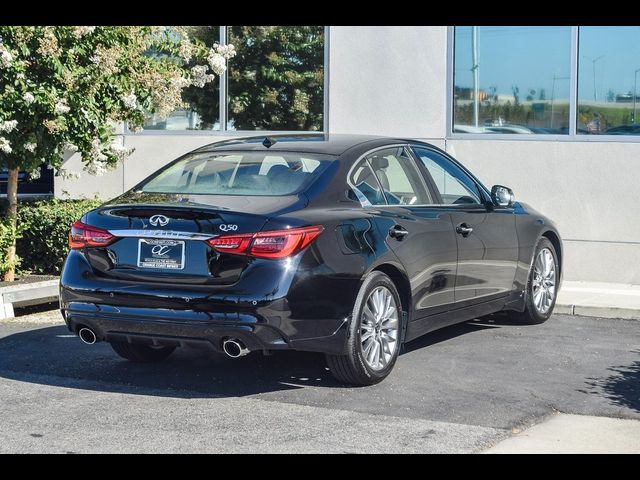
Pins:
x,y
399,177
202,110
608,74
243,173
454,186
366,187
512,80
276,80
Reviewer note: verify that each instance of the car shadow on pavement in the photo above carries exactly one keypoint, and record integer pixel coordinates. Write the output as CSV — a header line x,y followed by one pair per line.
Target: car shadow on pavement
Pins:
x,y
52,356
622,387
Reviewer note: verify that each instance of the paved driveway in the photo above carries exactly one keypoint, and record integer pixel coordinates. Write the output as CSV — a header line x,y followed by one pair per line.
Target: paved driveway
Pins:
x,y
461,389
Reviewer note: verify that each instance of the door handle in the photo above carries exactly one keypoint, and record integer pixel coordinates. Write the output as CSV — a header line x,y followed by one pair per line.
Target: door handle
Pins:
x,y
398,232
464,230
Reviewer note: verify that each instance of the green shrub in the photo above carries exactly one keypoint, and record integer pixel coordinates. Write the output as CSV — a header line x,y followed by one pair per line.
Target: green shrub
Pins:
x,y
45,224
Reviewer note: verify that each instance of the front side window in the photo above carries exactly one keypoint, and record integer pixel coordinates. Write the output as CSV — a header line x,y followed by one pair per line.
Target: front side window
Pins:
x,y
455,187
239,173
512,80
608,75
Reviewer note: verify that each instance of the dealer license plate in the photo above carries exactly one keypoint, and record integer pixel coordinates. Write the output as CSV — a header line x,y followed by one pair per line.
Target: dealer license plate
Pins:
x,y
160,253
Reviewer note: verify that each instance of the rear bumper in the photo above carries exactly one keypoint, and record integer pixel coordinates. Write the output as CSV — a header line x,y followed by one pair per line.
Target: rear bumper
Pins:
x,y
182,315
187,327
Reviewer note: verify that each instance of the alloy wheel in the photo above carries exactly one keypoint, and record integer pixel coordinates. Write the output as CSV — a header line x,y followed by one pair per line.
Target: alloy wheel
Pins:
x,y
544,281
379,328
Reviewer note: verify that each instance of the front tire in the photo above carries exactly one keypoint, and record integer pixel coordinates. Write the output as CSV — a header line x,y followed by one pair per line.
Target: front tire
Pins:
x,y
374,334
542,286
139,353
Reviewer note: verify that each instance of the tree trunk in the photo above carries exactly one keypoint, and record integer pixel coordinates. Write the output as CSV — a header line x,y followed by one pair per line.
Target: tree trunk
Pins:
x,y
12,214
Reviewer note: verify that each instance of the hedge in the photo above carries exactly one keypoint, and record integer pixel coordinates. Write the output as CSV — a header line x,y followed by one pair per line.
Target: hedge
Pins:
x,y
44,226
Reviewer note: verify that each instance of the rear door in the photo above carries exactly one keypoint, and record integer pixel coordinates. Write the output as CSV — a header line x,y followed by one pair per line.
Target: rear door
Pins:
x,y
422,238
486,237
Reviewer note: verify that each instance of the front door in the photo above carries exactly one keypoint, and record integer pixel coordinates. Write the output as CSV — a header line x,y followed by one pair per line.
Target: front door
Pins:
x,y
486,237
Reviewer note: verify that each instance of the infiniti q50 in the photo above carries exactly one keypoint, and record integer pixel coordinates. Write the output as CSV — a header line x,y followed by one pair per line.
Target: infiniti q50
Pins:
x,y
346,245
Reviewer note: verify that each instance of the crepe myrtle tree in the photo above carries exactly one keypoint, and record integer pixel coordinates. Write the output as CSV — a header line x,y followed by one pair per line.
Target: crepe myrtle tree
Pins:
x,y
63,88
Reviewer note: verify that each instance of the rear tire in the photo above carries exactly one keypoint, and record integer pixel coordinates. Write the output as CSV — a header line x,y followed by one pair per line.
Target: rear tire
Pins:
x,y
139,353
374,334
542,286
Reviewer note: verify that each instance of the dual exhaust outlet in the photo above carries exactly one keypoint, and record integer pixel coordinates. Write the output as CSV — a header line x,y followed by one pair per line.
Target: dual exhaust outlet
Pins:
x,y
232,347
87,336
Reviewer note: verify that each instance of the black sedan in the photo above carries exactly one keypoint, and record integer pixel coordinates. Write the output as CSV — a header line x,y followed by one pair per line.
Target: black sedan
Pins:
x,y
345,245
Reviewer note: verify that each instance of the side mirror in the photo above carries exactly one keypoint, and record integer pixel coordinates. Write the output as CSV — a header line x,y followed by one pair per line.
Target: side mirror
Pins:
x,y
502,196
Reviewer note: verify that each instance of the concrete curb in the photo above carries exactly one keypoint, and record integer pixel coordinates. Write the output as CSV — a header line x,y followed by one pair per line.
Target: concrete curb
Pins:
x,y
26,294
598,311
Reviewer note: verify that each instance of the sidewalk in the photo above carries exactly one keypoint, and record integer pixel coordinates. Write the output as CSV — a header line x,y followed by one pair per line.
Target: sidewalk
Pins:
x,y
563,433
608,300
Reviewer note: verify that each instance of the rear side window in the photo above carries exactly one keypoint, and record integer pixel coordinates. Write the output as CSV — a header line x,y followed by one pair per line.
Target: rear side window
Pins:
x,y
393,170
239,173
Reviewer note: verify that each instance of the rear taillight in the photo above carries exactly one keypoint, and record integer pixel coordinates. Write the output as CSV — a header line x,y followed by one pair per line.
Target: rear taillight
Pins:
x,y
82,236
275,244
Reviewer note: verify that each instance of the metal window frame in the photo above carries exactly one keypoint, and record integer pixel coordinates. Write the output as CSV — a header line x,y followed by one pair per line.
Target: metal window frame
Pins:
x,y
572,136
224,111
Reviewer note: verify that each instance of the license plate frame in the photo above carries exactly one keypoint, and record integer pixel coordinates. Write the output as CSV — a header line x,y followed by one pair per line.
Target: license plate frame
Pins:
x,y
159,254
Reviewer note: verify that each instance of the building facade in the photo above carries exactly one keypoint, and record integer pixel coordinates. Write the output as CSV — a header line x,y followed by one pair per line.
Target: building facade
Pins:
x,y
548,111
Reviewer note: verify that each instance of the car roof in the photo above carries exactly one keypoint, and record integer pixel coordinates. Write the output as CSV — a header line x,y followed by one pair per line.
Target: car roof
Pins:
x,y
331,144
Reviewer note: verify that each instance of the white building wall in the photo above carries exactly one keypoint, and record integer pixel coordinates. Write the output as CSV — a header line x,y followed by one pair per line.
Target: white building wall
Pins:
x,y
392,81
388,80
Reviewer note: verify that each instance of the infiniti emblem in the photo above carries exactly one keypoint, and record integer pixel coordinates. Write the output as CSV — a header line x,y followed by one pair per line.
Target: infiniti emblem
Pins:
x,y
159,220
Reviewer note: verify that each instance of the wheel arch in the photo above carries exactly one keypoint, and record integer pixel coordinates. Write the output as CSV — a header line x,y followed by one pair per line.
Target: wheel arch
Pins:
x,y
554,238
400,280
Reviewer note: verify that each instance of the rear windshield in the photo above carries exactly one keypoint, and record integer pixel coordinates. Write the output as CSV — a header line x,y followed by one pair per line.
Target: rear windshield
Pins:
x,y
239,173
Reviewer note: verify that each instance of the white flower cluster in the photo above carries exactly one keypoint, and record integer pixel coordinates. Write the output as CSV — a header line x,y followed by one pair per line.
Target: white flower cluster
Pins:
x,y
30,146
130,101
185,49
8,126
35,173
70,147
120,150
97,154
200,77
5,56
28,98
217,62
61,107
82,31
5,146
218,57
96,168
227,51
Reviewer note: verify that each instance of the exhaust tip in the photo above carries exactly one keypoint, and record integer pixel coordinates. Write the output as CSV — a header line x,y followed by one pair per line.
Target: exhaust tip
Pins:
x,y
87,336
234,348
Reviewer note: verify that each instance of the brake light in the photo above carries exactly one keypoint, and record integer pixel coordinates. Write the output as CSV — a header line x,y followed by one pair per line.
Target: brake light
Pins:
x,y
274,244
82,236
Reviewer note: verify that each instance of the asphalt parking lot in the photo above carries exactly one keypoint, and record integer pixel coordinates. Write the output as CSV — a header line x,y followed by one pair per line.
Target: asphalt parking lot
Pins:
x,y
461,389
